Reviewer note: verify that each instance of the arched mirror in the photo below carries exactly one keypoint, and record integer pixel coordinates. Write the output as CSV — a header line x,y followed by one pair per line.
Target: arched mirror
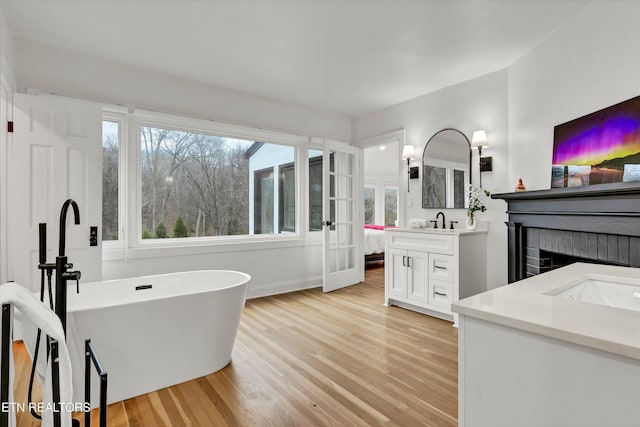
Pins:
x,y
446,170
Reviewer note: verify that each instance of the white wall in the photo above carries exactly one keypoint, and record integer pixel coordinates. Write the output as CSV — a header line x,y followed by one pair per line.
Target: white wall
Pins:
x,y
587,64
6,51
591,62
275,267
273,270
476,104
68,73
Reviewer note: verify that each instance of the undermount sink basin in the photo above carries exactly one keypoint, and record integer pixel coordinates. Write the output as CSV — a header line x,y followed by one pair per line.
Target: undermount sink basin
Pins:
x,y
611,291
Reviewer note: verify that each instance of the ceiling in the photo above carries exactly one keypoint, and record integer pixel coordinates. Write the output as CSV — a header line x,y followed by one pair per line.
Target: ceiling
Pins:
x,y
349,57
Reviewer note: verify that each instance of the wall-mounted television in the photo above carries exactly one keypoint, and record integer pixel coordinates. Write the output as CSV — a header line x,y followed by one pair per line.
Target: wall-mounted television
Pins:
x,y
599,148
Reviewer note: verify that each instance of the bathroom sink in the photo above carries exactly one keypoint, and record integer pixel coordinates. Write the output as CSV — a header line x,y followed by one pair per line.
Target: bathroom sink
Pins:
x,y
604,290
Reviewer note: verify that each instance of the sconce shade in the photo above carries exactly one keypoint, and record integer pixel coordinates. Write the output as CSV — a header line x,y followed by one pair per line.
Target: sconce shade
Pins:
x,y
479,139
408,152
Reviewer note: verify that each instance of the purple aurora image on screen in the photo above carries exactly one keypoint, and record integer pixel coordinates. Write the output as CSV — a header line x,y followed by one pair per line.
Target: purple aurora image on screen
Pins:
x,y
598,148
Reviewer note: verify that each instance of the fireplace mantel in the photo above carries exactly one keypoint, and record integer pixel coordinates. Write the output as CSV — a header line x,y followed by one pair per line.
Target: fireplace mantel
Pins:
x,y
590,218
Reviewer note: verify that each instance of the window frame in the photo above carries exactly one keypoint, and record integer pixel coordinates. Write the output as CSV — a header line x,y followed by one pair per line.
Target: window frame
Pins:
x,y
282,169
153,247
374,187
316,162
119,116
258,176
385,187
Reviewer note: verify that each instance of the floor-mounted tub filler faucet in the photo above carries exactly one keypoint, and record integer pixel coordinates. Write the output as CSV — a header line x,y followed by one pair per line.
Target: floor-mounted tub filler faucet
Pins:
x,y
63,275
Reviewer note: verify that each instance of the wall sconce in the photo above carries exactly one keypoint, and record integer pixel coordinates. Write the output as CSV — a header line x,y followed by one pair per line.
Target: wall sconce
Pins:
x,y
409,153
479,140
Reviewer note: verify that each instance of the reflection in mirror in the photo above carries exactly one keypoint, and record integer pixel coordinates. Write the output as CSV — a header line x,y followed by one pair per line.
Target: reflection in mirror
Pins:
x,y
446,166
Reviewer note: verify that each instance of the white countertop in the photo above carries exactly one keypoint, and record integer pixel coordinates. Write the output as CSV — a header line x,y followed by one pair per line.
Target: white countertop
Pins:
x,y
524,305
455,231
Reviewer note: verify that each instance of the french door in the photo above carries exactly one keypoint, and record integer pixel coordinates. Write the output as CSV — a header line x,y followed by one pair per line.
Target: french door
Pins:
x,y
343,262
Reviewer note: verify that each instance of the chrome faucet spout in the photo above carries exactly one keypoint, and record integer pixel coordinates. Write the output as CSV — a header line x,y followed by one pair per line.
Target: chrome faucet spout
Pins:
x,y
63,223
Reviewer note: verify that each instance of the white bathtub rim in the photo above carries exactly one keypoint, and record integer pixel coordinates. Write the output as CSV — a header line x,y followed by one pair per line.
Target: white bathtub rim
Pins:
x,y
246,280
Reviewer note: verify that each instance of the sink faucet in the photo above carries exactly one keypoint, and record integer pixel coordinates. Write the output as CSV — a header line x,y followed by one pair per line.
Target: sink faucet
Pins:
x,y
63,275
443,221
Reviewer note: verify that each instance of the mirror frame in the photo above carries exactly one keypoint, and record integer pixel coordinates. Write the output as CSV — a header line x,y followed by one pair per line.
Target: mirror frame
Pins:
x,y
424,152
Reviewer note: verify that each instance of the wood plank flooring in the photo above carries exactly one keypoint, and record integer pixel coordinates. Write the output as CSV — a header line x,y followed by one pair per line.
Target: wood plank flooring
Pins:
x,y
311,359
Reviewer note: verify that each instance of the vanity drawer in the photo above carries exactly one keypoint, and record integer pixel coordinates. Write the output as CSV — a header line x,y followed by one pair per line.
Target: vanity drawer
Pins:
x,y
441,267
440,294
421,241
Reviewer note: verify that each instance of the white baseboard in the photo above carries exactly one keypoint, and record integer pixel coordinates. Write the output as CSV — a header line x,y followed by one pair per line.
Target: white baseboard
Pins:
x,y
283,287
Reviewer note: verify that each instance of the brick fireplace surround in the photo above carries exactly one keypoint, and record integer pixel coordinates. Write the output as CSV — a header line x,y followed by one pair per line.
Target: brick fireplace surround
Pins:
x,y
551,228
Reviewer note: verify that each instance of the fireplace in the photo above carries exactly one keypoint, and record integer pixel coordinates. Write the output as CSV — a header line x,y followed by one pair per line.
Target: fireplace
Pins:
x,y
551,228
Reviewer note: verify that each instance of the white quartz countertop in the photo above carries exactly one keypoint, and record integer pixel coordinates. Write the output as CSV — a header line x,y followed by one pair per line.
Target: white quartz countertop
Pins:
x,y
526,305
455,231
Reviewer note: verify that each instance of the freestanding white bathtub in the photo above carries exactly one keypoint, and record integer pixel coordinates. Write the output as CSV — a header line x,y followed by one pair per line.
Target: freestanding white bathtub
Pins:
x,y
155,331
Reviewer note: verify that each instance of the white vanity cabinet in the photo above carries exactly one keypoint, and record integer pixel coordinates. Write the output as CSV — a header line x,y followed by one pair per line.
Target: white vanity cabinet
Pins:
x,y
427,269
408,270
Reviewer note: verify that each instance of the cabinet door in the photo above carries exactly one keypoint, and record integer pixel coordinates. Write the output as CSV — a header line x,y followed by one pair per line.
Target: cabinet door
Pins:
x,y
397,274
417,282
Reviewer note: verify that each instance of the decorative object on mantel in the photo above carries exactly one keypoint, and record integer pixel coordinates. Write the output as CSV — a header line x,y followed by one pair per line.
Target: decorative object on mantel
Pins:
x,y
476,204
408,153
520,186
599,148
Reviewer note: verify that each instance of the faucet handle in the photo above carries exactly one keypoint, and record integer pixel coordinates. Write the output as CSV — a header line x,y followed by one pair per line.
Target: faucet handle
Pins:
x,y
74,275
77,275
435,223
451,224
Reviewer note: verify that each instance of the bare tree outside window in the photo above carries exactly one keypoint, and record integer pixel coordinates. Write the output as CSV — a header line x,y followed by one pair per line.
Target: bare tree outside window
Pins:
x,y
110,159
193,180
369,205
390,206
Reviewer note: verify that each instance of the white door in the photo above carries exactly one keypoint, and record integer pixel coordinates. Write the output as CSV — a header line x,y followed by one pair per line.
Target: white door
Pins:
x,y
342,207
56,155
6,138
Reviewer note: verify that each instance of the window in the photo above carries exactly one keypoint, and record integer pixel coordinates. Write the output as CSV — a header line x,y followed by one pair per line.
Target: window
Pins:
x,y
110,178
369,205
315,190
198,185
273,204
390,205
287,198
263,201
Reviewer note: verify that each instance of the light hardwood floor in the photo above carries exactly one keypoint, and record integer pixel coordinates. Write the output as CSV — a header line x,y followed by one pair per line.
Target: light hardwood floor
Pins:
x,y
311,359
